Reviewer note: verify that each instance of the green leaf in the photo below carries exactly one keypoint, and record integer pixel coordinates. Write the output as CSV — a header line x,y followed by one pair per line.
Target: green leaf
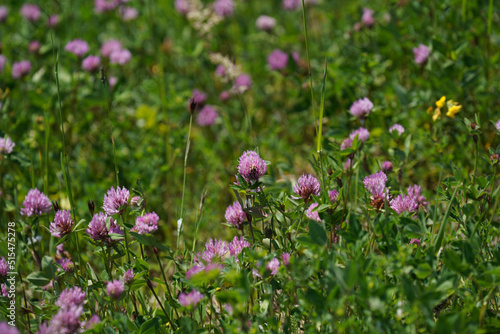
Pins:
x,y
150,326
149,240
317,233
423,270
38,278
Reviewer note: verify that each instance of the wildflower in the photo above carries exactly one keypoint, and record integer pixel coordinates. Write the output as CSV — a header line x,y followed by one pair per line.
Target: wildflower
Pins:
x,y
220,71
421,54
182,6
206,116
120,57
291,4
53,20
347,164
307,186
285,258
403,204
62,224
4,12
313,215
110,46
367,17
115,289
214,250
236,246
346,143
91,63
5,328
361,108
67,265
277,59
453,108
497,125
197,268
67,320
35,203
242,83
78,47
190,299
136,202
375,184
415,242
199,97
6,146
128,276
387,166
128,13
362,134
235,215
105,5
49,286
98,229
4,267
3,61
397,127
4,292
34,46
146,224
333,195
224,96
273,266
112,81
415,192
224,8
71,297
92,322
265,22
21,69
251,166
440,102
115,200
30,12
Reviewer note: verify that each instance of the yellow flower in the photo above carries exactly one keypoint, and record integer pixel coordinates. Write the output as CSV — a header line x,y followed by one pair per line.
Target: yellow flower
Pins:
x,y
437,112
429,110
440,102
453,111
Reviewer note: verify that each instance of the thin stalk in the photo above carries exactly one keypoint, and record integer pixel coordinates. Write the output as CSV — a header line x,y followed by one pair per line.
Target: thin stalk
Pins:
x,y
476,158
442,228
188,143
110,128
150,285
464,9
166,283
436,200
490,17
321,109
309,63
126,237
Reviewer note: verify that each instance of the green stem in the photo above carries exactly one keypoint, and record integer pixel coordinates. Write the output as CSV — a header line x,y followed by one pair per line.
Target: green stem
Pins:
x,y
166,284
309,63
442,228
126,237
188,143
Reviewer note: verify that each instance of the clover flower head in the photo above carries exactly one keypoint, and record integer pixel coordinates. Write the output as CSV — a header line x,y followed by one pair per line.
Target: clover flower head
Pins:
x,y
361,108
66,320
21,69
78,47
265,22
421,54
53,20
190,299
415,192
273,266
4,267
146,224
387,166
291,4
236,246
110,46
214,250
497,125
397,127
242,83
115,200
285,258
307,186
91,63
362,134
207,116
414,242
235,215
34,46
402,204
346,143
71,297
375,183
31,12
251,166
62,224
277,60
128,276
6,145
224,8
313,215
4,12
333,195
98,229
67,265
35,203
115,289
367,17
120,57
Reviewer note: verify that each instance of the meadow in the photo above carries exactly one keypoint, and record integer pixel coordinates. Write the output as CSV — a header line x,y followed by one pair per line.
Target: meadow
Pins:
x,y
244,166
